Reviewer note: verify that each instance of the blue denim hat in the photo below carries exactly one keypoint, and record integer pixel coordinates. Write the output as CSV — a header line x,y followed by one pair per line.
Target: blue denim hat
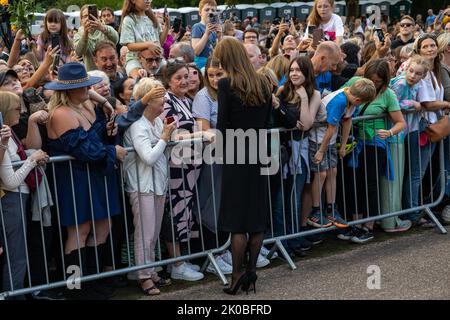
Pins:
x,y
72,75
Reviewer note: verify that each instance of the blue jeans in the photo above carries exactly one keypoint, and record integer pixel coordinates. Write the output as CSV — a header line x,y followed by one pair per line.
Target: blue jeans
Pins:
x,y
292,200
418,161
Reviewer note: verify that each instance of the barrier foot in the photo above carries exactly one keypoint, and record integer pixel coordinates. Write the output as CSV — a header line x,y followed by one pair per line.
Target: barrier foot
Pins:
x,y
216,267
285,254
436,221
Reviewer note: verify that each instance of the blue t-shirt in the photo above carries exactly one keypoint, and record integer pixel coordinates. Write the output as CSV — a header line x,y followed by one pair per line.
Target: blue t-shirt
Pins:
x,y
430,20
323,81
333,110
198,30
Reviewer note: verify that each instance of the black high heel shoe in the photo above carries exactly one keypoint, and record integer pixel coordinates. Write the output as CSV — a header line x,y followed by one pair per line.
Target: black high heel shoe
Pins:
x,y
240,283
251,282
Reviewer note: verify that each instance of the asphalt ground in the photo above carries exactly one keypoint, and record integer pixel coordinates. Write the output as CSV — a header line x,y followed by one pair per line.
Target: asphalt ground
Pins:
x,y
411,265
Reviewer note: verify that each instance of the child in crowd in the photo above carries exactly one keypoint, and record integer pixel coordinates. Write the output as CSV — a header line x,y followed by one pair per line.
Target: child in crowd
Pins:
x,y
335,108
54,23
140,30
206,32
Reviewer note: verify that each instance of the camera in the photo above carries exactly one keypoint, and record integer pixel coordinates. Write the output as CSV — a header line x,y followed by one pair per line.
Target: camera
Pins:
x,y
92,10
213,18
380,35
176,25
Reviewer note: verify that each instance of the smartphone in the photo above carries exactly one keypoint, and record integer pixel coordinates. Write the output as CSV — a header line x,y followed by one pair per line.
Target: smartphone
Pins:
x,y
311,29
380,35
165,10
170,119
213,18
317,37
92,10
287,18
55,40
1,120
176,25
55,64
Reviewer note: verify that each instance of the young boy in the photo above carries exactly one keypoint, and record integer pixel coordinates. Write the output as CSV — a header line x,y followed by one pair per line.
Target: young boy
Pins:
x,y
337,107
206,32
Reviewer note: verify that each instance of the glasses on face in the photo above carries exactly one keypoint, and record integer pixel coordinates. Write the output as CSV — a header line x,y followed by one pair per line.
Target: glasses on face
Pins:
x,y
152,60
176,60
251,37
406,25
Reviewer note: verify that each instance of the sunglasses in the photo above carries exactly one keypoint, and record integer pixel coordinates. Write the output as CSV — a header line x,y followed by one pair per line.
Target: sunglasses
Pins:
x,y
406,25
178,60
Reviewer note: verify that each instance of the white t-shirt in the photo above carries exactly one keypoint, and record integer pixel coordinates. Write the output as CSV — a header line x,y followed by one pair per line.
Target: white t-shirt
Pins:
x,y
427,93
332,29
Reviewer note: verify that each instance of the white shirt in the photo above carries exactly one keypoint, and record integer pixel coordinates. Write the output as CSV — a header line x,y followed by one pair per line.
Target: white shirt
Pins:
x,y
333,28
427,93
151,161
13,180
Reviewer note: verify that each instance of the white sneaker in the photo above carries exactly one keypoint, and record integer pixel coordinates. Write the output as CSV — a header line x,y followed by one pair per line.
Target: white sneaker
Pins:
x,y
446,214
227,257
193,267
223,266
262,261
183,272
265,252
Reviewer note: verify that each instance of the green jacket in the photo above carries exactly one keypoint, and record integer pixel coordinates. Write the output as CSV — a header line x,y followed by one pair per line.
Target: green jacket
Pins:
x,y
86,49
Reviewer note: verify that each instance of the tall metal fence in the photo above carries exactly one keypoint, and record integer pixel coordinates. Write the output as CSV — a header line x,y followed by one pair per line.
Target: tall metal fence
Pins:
x,y
410,179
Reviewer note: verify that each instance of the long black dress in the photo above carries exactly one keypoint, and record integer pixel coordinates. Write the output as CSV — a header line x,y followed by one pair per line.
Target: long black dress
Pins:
x,y
244,204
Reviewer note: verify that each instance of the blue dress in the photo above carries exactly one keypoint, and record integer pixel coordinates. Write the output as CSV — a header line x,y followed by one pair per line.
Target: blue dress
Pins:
x,y
91,149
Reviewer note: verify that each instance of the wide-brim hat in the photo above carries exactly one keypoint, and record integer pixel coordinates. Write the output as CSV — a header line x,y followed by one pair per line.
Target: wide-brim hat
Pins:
x,y
4,74
72,75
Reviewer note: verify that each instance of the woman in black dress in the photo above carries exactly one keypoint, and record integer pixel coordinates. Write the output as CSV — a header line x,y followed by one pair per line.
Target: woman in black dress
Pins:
x,y
244,106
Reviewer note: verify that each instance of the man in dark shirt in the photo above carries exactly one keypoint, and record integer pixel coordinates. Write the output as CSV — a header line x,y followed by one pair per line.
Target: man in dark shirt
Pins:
x,y
406,34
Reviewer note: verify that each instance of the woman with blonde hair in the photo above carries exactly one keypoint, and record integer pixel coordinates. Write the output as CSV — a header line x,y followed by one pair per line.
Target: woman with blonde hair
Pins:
x,y
244,104
146,177
90,197
16,183
280,65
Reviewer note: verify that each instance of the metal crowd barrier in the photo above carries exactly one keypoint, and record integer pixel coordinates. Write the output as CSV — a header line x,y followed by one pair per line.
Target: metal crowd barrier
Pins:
x,y
295,218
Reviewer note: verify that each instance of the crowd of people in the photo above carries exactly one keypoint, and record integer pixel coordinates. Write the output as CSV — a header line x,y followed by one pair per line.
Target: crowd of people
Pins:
x,y
92,93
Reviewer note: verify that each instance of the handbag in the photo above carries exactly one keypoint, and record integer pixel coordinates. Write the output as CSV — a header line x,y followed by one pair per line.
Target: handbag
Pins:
x,y
439,130
34,178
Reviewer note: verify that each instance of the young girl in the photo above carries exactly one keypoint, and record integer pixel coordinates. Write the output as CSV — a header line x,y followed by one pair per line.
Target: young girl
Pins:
x,y
406,89
140,30
54,22
298,106
322,17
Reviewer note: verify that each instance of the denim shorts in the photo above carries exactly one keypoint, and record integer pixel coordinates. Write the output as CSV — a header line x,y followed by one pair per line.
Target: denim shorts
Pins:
x,y
329,157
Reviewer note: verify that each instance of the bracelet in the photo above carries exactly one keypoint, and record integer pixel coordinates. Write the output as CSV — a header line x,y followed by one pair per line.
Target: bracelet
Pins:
x,y
103,102
3,146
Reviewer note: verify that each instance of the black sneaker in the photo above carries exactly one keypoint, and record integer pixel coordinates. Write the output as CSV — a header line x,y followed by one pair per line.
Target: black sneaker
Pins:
x,y
305,245
347,234
296,252
362,236
48,295
314,239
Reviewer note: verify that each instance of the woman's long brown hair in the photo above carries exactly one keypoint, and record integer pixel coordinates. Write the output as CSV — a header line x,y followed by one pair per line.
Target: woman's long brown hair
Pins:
x,y
251,88
56,15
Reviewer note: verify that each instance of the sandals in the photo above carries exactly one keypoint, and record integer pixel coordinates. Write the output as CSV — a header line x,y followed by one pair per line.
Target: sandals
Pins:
x,y
150,291
161,282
